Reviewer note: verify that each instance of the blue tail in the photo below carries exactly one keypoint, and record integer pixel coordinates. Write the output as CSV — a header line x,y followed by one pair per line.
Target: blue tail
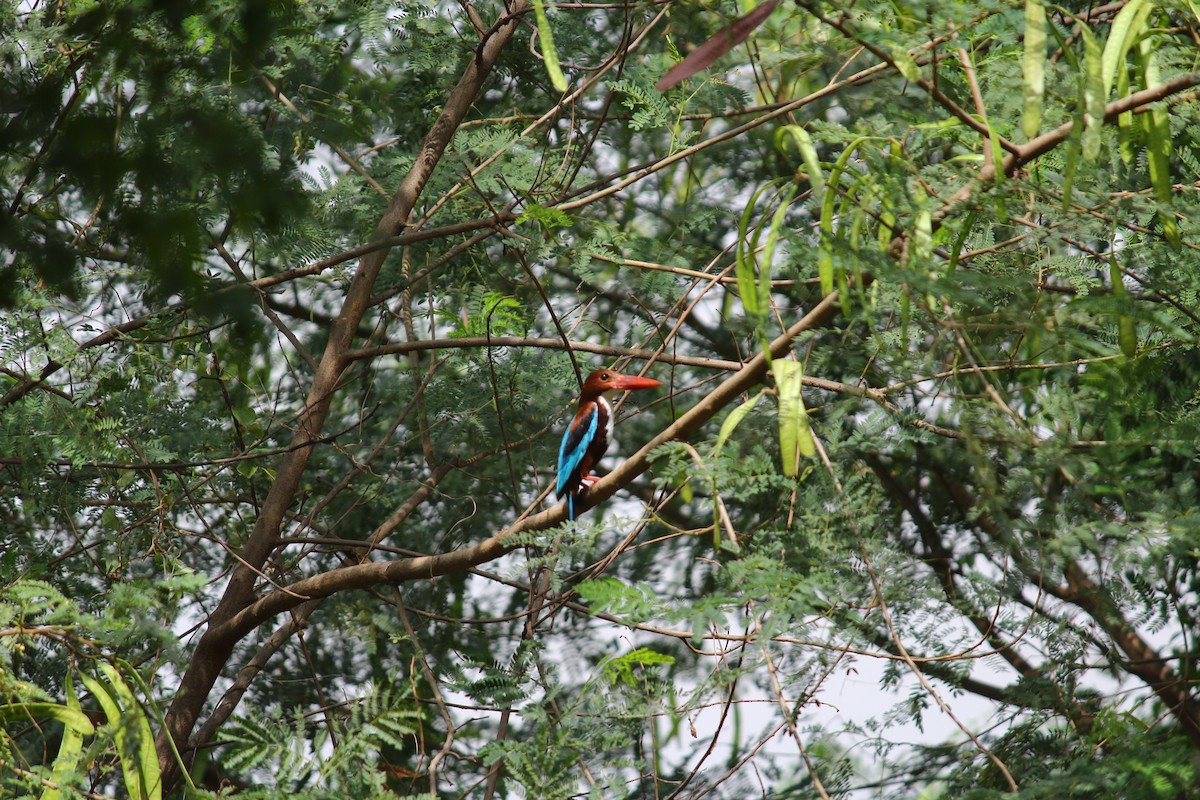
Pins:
x,y
571,506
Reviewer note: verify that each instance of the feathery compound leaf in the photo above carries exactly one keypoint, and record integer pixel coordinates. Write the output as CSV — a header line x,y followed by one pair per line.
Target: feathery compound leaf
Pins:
x,y
617,597
254,743
621,668
1034,66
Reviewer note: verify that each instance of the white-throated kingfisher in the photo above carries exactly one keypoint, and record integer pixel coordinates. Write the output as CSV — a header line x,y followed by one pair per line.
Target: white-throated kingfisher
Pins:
x,y
586,438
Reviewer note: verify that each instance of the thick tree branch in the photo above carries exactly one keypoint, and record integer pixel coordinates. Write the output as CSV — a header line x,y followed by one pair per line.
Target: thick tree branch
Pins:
x,y
1035,148
430,566
1143,661
215,646
941,561
392,572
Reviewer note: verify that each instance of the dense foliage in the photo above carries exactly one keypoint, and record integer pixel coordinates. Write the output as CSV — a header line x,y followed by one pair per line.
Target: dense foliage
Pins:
x,y
297,301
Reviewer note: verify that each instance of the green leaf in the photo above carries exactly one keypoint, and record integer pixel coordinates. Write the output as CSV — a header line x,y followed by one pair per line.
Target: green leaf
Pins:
x,y
808,152
1126,27
621,668
199,34
906,64
733,420
617,597
134,739
548,216
1093,95
795,437
71,747
549,51
72,718
1126,327
1157,126
1034,66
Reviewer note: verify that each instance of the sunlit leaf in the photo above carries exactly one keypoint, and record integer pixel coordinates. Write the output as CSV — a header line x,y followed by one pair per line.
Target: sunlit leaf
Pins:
x,y
622,667
906,64
1157,126
70,749
1093,95
1125,29
546,43
795,437
1034,66
734,419
808,152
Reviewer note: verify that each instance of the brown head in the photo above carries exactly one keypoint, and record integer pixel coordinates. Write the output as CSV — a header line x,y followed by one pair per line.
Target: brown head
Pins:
x,y
609,380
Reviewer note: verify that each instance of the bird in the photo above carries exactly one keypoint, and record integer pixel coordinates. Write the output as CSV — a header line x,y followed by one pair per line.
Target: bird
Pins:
x,y
586,438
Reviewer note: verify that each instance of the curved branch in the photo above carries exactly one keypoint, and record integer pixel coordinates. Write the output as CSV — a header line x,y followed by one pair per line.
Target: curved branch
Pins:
x,y
216,645
360,576
1035,148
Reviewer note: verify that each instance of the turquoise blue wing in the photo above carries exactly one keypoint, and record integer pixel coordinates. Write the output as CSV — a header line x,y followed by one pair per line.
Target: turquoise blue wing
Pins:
x,y
576,440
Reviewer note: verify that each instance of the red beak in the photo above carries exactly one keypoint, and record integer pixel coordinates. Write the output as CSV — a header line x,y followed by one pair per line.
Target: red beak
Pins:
x,y
624,382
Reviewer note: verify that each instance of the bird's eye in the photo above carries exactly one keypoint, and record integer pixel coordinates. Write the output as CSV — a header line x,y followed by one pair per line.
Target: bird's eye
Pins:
x,y
605,376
